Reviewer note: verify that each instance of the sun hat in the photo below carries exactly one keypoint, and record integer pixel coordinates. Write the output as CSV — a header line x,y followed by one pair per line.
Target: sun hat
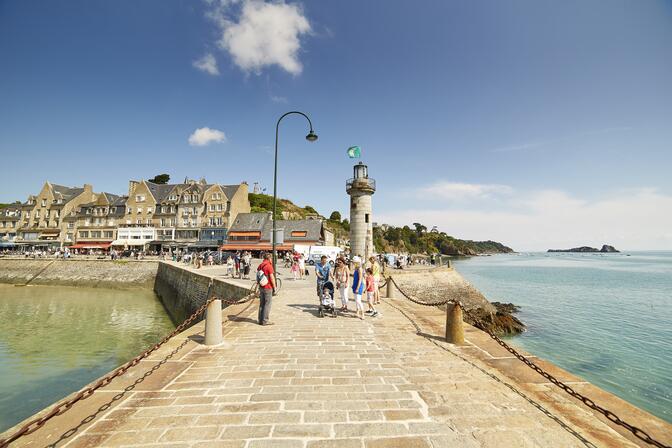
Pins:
x,y
356,259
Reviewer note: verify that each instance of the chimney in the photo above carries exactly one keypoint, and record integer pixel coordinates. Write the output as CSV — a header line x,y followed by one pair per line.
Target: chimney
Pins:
x,y
88,188
131,187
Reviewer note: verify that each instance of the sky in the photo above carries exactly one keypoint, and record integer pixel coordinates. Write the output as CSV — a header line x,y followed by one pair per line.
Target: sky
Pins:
x,y
540,124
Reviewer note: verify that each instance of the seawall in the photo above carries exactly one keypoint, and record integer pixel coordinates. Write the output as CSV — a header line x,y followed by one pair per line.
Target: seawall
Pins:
x,y
183,291
90,273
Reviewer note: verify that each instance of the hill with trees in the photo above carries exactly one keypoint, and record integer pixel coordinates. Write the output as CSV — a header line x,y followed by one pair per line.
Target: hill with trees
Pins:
x,y
417,240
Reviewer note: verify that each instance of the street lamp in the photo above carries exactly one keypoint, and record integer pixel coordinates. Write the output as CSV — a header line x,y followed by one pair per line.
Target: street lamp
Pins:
x,y
311,137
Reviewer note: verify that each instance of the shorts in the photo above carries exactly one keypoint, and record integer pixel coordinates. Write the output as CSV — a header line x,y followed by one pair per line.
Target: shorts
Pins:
x,y
370,296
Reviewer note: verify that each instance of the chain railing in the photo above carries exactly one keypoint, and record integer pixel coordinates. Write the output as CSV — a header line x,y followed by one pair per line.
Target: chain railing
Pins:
x,y
85,393
637,432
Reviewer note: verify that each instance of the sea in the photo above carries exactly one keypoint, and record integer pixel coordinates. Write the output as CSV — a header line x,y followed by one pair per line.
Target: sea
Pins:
x,y
604,317
54,340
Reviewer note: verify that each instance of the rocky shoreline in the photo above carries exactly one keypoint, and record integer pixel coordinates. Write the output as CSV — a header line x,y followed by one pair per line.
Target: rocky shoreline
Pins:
x,y
439,285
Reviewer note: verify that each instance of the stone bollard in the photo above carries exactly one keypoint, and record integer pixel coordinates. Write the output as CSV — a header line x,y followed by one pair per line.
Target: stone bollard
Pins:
x,y
213,323
390,289
454,327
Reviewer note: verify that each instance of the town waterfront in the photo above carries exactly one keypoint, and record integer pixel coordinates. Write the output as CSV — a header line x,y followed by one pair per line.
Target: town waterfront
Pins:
x,y
55,339
604,317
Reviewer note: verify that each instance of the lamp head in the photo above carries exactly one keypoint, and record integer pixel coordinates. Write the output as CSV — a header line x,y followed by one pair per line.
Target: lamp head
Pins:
x,y
311,137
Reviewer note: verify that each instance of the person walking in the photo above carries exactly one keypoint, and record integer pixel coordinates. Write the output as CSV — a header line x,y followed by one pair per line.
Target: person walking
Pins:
x,y
342,276
322,272
358,285
266,281
375,270
302,266
370,293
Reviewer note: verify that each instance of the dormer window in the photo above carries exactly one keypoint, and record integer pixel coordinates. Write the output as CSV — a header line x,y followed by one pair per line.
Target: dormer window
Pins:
x,y
44,202
139,198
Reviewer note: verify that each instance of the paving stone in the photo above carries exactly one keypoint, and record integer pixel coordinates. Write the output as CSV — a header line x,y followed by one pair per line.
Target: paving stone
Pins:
x,y
396,442
335,443
303,430
246,432
275,417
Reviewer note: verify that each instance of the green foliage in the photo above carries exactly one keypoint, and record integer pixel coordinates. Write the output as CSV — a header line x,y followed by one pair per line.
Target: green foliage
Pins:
x,y
418,240
335,216
160,179
4,205
260,203
310,210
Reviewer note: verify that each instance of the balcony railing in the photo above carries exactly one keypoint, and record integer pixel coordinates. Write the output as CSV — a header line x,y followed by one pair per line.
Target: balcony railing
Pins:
x,y
363,183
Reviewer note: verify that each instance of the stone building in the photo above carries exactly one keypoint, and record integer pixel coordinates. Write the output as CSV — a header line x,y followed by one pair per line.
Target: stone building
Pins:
x,y
252,231
361,188
9,219
95,223
42,222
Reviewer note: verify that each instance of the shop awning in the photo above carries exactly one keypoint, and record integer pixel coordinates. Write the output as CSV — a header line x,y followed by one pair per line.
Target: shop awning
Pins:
x,y
91,246
205,243
248,246
129,242
7,244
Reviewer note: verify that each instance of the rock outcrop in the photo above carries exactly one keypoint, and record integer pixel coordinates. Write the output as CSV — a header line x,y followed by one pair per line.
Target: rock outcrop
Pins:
x,y
605,249
440,284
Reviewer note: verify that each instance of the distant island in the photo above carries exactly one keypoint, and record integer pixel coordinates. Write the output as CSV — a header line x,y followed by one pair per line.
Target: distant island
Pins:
x,y
605,249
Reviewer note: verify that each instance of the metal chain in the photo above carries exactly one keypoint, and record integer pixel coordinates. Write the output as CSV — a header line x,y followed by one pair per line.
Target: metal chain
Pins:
x,y
637,432
403,293
83,394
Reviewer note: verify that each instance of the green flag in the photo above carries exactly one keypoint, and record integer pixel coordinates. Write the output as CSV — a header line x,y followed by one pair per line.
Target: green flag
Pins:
x,y
354,152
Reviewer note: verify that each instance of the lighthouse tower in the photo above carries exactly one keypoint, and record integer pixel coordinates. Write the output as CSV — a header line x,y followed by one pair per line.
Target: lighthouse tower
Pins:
x,y
361,188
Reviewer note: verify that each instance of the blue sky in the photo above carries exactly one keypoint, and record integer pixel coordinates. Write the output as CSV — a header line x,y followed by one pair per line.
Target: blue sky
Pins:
x,y
535,123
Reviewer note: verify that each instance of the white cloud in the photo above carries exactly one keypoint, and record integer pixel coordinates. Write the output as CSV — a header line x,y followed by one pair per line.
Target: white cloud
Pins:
x,y
264,34
457,191
539,220
205,136
208,64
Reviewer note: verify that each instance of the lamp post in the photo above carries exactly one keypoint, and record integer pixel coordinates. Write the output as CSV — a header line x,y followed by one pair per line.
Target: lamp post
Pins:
x,y
311,137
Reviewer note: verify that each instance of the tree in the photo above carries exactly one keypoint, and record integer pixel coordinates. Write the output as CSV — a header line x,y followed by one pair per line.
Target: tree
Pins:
x,y
310,210
419,228
335,216
160,179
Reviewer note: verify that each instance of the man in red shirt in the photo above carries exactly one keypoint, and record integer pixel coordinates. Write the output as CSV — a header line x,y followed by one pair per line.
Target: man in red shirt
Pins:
x,y
266,291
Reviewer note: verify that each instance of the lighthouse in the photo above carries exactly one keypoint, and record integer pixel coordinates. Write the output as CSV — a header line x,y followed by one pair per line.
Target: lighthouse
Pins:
x,y
361,188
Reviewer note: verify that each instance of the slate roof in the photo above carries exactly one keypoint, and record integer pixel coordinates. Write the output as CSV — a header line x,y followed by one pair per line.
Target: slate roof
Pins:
x,y
250,222
230,190
261,222
160,191
66,193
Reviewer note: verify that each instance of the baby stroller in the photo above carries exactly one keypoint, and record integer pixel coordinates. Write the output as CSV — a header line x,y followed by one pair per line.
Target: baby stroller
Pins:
x,y
327,304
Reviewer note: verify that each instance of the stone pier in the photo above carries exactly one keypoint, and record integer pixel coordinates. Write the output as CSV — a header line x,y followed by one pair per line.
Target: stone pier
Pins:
x,y
310,382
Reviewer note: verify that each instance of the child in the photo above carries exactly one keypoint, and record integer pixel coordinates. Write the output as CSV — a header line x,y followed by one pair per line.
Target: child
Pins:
x,y
295,270
358,285
327,299
370,292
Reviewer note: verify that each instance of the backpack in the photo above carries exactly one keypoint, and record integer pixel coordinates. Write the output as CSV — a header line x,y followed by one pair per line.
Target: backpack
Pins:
x,y
261,278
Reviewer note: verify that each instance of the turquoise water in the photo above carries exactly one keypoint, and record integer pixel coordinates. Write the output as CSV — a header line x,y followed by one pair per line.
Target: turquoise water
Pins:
x,y
54,340
604,317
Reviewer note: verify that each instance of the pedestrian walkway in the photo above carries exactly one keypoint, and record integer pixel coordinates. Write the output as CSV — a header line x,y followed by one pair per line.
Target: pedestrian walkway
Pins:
x,y
310,382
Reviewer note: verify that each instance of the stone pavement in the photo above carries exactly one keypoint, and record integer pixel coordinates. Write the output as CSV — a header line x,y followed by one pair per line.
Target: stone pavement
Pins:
x,y
311,382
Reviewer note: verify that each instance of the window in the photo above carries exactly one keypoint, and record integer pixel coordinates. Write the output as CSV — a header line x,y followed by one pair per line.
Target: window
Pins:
x,y
88,211
129,210
108,234
71,225
139,198
212,207
95,234
139,209
149,210
69,237
212,221
228,206
83,234
138,221
299,233
149,221
113,210
185,222
366,218
44,202
219,207
220,221
172,197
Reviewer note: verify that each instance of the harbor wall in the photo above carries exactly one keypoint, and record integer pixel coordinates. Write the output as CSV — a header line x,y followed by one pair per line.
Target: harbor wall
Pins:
x,y
118,274
182,291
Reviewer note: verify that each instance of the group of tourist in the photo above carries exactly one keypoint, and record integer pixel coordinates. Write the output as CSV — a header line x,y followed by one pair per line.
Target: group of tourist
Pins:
x,y
364,284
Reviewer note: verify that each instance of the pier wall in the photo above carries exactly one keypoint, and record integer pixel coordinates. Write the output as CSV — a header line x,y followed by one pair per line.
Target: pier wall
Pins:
x,y
120,274
182,291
